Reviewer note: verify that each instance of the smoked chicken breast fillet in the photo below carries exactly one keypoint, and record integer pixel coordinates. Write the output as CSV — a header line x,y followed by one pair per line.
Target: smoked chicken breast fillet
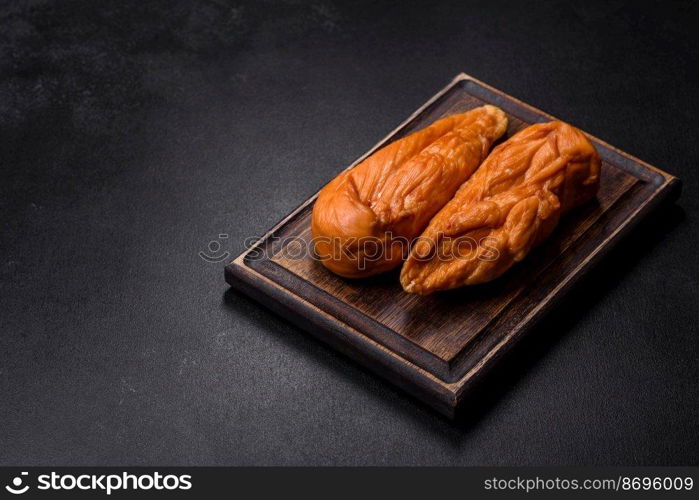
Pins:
x,y
511,204
365,218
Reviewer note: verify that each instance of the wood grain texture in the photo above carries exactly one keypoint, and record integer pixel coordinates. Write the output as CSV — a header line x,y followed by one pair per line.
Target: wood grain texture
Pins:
x,y
437,346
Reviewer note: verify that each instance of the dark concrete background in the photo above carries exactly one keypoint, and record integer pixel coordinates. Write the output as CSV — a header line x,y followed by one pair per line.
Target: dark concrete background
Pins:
x,y
133,133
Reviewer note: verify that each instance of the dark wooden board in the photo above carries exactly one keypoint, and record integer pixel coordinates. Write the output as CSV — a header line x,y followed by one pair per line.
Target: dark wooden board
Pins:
x,y
436,347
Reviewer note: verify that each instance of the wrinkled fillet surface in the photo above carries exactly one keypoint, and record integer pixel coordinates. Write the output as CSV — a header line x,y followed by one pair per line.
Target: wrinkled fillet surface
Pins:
x,y
511,204
364,219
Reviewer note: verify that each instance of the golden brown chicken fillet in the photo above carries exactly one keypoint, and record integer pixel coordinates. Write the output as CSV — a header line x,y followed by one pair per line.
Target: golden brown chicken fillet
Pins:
x,y
364,219
511,204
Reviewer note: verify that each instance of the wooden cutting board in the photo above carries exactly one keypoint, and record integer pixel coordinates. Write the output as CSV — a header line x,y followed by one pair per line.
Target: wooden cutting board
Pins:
x,y
437,347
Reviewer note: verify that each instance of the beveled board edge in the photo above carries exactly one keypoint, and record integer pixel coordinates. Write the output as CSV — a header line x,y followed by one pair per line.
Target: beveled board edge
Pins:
x,y
443,396
668,192
372,328
353,343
